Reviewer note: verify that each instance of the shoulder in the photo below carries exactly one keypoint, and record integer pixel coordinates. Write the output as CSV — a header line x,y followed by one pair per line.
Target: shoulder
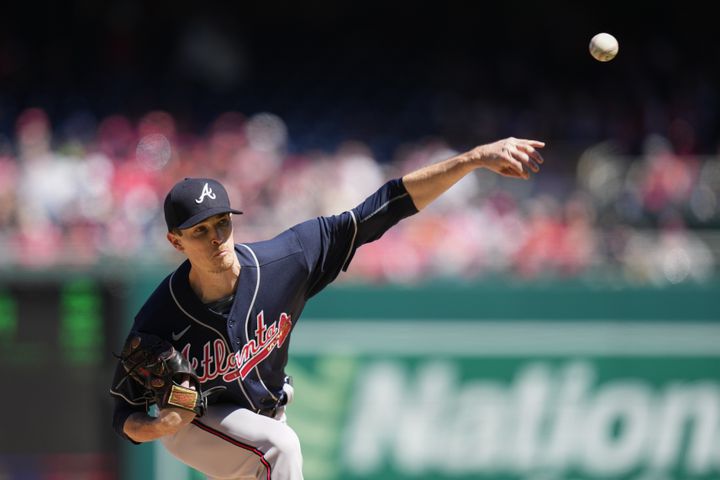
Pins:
x,y
284,245
303,242
161,302
316,228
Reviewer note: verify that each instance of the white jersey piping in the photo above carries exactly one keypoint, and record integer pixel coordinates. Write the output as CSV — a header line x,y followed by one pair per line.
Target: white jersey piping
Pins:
x,y
352,242
118,394
247,318
172,293
383,206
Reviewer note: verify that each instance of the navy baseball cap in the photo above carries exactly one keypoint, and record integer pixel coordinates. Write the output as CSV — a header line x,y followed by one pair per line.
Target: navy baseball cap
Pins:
x,y
193,200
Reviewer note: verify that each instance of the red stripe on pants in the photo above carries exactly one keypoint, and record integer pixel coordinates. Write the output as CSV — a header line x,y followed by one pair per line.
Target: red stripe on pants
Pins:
x,y
234,442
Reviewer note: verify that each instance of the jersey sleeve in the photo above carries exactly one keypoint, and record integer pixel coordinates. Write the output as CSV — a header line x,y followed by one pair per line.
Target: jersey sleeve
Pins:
x,y
329,243
128,395
128,399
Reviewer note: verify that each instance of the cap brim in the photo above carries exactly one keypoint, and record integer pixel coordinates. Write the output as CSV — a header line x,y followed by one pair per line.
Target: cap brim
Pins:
x,y
205,214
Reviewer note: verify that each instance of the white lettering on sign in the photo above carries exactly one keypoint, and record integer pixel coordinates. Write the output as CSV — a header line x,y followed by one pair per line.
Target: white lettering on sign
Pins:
x,y
549,418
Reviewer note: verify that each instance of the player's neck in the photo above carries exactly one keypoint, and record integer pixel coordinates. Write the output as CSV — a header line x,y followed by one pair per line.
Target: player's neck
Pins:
x,y
212,286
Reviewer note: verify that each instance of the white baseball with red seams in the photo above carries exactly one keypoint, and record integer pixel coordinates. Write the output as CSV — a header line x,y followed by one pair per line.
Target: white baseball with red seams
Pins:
x,y
604,47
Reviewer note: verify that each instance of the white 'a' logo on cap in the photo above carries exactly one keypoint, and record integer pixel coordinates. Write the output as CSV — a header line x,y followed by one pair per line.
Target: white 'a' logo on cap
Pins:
x,y
207,192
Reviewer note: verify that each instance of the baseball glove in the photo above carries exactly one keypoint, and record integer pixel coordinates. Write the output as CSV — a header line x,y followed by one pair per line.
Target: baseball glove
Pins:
x,y
160,370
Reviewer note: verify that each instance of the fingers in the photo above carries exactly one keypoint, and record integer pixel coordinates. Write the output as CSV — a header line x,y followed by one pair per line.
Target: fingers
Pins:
x,y
518,166
523,153
511,154
530,150
511,157
528,162
510,172
532,143
520,161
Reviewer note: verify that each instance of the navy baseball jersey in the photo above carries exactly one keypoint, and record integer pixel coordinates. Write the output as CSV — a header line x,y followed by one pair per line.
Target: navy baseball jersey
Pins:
x,y
246,350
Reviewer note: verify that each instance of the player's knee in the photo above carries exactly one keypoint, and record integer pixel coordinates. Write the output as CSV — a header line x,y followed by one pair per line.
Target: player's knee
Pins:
x,y
283,451
288,444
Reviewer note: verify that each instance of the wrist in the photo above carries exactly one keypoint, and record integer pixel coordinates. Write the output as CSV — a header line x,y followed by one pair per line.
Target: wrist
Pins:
x,y
168,421
172,419
476,157
141,427
464,163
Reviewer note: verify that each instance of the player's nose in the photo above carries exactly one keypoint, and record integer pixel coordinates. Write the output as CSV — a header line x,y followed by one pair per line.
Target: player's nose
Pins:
x,y
217,236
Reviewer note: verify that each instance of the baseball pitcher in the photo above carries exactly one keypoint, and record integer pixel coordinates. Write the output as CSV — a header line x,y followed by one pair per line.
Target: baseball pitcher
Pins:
x,y
210,345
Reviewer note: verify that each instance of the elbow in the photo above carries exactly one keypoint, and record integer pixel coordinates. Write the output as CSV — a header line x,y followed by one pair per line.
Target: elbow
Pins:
x,y
133,436
126,426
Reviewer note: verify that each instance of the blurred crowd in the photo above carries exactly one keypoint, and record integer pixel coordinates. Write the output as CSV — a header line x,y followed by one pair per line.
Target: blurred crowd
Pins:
x,y
89,193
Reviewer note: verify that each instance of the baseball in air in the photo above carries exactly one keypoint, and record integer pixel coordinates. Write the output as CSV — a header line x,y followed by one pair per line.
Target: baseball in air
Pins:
x,y
604,47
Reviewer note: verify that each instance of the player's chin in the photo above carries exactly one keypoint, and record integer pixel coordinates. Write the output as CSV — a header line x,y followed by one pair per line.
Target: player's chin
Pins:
x,y
222,263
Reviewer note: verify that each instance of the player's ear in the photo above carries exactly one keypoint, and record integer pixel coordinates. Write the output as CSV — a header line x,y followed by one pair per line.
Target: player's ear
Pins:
x,y
175,241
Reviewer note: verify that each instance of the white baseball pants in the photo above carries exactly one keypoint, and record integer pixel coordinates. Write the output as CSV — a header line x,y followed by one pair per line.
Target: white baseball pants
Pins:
x,y
230,443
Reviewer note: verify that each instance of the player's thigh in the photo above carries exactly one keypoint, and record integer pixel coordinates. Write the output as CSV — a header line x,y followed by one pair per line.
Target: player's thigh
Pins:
x,y
216,454
229,442
263,432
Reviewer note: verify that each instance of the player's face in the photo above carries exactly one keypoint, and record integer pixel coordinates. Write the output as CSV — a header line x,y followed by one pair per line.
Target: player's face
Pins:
x,y
209,245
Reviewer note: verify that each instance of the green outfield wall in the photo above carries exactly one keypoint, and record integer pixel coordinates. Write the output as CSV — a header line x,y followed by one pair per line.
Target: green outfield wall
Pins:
x,y
541,381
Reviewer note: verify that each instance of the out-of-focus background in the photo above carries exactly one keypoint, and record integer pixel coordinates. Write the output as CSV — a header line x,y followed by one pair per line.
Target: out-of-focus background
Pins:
x,y
565,327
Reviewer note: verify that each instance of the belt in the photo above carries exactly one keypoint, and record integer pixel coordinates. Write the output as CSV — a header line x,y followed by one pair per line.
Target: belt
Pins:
x,y
272,411
267,412
284,399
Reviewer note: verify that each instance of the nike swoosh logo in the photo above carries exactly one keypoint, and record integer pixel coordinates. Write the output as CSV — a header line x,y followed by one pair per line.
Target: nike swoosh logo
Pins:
x,y
177,336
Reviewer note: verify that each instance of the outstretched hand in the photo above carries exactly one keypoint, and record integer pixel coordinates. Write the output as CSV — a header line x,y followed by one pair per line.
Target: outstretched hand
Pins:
x,y
511,157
